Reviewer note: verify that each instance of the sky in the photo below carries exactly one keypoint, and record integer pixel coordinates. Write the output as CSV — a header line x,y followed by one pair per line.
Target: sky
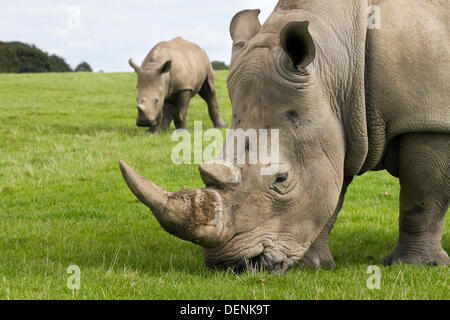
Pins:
x,y
106,33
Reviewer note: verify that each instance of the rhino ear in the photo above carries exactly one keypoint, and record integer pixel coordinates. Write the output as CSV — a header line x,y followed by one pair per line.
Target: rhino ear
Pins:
x,y
166,67
244,26
134,65
298,43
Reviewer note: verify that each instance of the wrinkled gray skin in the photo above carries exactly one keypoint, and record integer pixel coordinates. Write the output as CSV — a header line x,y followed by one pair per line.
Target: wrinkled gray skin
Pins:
x,y
347,101
171,74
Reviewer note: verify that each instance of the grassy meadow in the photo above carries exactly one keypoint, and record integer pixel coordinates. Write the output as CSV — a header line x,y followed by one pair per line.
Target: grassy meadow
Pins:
x,y
63,202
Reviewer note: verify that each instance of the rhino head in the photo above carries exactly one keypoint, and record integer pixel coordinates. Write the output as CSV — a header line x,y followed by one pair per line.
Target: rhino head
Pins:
x,y
153,87
245,219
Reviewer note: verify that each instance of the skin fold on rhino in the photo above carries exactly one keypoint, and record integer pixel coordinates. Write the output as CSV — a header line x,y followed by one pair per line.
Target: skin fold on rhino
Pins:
x,y
346,100
171,74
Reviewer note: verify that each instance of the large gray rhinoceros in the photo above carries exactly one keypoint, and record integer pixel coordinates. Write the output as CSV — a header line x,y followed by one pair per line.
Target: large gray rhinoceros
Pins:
x,y
347,100
171,74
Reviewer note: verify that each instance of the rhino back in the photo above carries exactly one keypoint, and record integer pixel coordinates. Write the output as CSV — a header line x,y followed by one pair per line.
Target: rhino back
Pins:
x,y
190,63
407,73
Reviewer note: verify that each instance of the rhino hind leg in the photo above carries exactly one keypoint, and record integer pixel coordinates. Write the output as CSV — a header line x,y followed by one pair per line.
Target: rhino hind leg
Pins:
x,y
208,93
424,201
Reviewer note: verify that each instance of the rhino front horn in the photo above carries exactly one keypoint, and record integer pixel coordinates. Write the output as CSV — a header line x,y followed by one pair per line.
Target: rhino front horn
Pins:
x,y
191,215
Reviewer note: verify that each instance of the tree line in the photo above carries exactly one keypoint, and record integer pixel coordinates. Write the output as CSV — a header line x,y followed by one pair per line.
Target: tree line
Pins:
x,y
18,57
219,65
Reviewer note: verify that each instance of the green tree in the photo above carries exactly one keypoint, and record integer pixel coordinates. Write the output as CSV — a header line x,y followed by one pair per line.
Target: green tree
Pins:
x,y
31,59
8,60
83,67
219,65
59,64
20,57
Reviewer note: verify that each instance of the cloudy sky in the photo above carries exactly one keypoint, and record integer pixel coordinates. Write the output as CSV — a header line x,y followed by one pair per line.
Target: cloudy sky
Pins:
x,y
106,33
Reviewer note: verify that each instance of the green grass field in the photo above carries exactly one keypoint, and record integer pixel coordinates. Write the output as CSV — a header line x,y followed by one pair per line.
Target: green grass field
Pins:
x,y
63,202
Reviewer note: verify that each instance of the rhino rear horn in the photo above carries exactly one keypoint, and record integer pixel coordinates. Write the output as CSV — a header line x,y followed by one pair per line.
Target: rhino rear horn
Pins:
x,y
219,175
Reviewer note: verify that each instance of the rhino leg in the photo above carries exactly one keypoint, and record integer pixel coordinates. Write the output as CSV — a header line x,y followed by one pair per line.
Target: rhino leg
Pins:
x,y
424,201
180,112
319,254
208,93
168,114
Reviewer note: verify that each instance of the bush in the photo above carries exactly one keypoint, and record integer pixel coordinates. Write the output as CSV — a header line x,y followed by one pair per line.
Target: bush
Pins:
x,y
18,57
31,59
83,67
59,64
219,65
8,60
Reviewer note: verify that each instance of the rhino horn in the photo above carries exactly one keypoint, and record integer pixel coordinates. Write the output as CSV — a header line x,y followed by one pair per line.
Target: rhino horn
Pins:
x,y
191,215
220,175
134,65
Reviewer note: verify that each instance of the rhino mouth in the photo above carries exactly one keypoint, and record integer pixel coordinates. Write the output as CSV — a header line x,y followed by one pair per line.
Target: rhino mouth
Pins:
x,y
261,258
152,127
259,263
262,263
147,123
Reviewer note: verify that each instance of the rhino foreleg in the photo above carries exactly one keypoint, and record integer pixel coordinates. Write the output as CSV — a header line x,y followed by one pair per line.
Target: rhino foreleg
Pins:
x,y
180,112
424,201
168,114
319,254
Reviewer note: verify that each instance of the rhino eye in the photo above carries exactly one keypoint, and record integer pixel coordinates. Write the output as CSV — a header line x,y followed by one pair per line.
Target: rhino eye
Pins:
x,y
283,178
239,45
283,184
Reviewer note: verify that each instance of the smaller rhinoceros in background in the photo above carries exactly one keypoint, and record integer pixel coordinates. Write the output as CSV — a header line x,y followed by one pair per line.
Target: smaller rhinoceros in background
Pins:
x,y
171,74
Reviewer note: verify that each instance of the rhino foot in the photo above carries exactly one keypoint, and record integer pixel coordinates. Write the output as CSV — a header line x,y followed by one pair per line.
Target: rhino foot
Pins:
x,y
319,256
438,258
222,125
